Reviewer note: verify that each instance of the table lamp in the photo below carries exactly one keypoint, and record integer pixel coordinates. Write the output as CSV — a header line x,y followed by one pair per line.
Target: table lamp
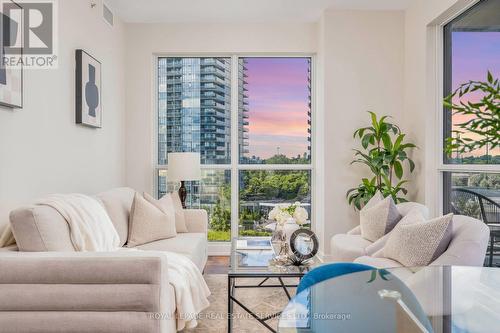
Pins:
x,y
183,167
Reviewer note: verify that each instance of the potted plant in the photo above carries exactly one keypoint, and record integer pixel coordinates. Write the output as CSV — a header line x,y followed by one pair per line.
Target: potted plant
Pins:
x,y
384,153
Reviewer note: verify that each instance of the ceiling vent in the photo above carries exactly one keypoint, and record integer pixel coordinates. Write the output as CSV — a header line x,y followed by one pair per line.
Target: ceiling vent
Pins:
x,y
107,14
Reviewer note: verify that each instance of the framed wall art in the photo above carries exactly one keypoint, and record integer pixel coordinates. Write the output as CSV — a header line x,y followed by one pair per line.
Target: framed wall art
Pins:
x,y
88,90
11,53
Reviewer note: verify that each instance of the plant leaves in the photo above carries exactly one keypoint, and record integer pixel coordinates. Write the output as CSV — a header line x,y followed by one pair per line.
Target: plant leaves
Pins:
x,y
398,169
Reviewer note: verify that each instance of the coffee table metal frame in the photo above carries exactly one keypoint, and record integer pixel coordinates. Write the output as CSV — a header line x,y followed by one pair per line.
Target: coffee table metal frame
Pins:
x,y
262,274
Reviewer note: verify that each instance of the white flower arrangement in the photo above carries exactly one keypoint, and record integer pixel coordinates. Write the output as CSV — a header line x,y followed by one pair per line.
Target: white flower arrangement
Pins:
x,y
283,212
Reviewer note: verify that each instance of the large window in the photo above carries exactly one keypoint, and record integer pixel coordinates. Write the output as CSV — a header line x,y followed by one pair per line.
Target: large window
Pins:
x,y
250,120
471,49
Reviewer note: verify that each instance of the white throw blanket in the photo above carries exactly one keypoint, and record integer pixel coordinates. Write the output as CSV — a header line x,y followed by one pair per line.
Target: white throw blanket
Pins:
x,y
90,227
191,290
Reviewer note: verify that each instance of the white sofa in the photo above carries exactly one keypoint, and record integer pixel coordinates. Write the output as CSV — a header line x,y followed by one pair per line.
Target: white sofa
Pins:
x,y
45,284
349,246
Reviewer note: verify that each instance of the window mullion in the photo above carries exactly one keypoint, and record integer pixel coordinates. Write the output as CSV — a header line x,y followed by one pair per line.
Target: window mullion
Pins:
x,y
235,153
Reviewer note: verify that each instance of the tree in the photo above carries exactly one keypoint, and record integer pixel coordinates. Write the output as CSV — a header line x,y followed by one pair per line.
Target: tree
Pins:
x,y
285,185
220,219
484,180
482,117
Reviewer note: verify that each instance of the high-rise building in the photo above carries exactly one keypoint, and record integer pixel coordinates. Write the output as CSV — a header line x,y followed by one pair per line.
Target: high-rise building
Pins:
x,y
194,111
243,115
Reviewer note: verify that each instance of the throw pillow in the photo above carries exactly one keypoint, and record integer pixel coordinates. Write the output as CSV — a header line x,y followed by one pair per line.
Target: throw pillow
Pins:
x,y
419,244
148,223
377,197
165,204
379,219
180,219
413,216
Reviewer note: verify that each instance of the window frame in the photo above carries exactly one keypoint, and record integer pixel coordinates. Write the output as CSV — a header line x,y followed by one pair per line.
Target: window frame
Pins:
x,y
219,247
438,67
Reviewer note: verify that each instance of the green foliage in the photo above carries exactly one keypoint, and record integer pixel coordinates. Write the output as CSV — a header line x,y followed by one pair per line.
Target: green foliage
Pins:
x,y
485,180
287,185
220,218
225,236
250,215
384,153
254,233
219,236
483,117
483,159
283,159
364,192
468,207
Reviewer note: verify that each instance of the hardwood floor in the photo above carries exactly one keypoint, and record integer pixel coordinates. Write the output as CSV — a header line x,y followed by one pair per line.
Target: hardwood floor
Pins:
x,y
217,265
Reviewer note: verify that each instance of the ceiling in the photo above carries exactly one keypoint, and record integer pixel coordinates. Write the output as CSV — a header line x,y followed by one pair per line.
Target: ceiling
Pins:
x,y
246,11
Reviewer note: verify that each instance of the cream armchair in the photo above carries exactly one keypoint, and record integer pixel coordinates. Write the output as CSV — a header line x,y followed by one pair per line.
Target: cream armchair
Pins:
x,y
467,247
349,246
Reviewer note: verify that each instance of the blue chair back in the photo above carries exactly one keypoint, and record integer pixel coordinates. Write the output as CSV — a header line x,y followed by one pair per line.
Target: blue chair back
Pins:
x,y
329,271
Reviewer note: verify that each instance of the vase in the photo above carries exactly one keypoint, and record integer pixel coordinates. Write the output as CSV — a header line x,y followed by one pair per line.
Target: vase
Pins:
x,y
289,228
278,240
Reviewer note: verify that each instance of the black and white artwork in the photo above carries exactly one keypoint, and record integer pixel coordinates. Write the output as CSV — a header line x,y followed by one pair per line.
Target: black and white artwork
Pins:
x,y
88,90
11,49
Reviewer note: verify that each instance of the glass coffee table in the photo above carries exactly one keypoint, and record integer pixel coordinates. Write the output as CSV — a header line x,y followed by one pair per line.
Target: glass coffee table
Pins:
x,y
256,263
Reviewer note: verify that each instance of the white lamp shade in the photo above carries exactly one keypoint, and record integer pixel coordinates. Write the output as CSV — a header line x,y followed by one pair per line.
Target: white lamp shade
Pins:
x,y
184,166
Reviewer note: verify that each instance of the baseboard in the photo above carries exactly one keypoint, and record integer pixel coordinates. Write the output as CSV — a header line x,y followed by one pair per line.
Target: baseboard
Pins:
x,y
219,249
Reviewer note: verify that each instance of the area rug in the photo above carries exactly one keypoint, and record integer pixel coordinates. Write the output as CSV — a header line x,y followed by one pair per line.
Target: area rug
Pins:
x,y
263,301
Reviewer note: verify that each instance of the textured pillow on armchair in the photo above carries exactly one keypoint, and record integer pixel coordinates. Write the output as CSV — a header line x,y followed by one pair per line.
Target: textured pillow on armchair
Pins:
x,y
420,243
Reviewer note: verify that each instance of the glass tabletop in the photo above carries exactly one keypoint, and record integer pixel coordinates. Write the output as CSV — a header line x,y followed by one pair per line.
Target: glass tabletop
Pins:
x,y
253,256
430,299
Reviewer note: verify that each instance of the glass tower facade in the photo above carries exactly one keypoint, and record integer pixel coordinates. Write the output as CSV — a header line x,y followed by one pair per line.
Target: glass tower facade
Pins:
x,y
194,106
194,115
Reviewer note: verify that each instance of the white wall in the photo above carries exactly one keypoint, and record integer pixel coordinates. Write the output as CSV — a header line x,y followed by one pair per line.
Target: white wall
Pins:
x,y
421,84
363,71
42,150
144,40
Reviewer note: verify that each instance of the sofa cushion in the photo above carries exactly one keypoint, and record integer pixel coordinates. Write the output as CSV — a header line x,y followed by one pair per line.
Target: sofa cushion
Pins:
x,y
40,228
379,219
420,243
148,223
118,203
192,245
347,247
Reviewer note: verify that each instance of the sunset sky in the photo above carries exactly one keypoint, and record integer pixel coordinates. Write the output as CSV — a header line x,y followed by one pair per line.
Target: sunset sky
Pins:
x,y
474,53
278,102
